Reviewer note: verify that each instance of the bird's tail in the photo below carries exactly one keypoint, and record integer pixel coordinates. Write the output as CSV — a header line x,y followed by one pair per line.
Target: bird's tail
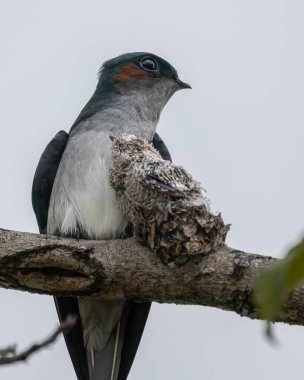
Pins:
x,y
104,364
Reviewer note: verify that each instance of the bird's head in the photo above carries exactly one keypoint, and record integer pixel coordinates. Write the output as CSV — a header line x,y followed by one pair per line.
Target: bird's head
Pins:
x,y
140,84
141,72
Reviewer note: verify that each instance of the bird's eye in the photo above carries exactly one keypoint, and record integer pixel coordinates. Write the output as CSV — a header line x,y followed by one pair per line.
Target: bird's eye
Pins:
x,y
148,64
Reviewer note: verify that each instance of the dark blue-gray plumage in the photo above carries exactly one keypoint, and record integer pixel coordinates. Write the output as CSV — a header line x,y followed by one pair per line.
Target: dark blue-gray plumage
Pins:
x,y
72,197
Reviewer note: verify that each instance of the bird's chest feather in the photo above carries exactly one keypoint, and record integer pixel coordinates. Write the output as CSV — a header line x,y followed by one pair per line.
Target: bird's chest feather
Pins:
x,y
82,198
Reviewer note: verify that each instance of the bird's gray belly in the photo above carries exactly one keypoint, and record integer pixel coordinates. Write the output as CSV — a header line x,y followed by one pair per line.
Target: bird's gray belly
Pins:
x,y
83,199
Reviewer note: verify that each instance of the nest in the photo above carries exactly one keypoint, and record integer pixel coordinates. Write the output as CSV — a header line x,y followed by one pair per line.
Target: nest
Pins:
x,y
180,231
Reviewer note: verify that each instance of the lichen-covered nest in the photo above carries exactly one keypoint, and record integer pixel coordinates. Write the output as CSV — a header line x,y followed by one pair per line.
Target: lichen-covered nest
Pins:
x,y
182,230
167,207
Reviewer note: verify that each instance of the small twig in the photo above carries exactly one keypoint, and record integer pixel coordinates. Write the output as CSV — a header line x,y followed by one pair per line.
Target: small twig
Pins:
x,y
8,355
10,350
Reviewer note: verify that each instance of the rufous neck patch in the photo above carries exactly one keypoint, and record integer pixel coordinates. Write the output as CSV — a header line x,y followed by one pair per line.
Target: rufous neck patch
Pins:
x,y
130,71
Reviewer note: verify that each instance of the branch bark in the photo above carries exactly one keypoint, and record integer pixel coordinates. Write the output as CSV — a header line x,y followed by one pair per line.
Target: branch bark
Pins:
x,y
124,269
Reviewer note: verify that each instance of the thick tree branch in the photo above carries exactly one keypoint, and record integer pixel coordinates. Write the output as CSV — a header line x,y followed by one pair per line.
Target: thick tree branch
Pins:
x,y
124,269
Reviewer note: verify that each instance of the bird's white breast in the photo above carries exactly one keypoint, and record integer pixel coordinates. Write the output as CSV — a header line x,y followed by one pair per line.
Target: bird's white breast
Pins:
x,y
82,197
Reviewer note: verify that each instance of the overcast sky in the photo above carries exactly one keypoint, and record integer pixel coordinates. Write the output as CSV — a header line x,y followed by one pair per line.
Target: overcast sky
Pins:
x,y
239,131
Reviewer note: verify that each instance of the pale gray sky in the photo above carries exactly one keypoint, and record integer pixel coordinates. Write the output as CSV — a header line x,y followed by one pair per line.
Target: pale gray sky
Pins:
x,y
239,131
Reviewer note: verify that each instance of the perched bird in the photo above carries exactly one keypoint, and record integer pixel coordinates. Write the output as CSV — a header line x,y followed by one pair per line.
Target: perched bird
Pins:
x,y
168,208
72,196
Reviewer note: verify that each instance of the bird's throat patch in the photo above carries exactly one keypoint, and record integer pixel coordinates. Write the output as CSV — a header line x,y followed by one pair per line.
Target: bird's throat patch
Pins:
x,y
130,71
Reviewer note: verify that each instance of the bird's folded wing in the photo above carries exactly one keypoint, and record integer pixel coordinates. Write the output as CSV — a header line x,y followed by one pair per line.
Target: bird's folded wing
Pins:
x,y
41,193
44,177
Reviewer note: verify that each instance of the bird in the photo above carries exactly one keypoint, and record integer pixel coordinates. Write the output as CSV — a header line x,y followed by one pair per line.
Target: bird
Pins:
x,y
166,205
72,197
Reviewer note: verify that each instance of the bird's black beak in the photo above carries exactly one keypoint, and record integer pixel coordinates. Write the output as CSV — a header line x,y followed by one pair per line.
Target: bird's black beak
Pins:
x,y
182,84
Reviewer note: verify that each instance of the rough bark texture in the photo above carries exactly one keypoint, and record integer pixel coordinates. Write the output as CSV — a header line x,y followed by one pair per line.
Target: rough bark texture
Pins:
x,y
120,269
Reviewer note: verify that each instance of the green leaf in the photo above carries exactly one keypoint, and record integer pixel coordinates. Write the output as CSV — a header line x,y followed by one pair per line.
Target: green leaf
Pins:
x,y
275,283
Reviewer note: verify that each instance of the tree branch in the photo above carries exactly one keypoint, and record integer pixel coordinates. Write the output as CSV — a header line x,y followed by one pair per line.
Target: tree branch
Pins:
x,y
9,356
124,269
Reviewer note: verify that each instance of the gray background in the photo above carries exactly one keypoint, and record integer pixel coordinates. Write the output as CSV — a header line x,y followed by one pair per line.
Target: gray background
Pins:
x,y
239,131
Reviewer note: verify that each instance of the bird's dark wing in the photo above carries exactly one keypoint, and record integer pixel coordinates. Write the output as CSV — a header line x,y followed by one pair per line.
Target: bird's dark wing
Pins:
x,y
41,193
161,147
44,178
74,340
138,311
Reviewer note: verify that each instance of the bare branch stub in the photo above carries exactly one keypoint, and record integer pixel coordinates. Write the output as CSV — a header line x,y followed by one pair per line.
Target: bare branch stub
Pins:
x,y
8,355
